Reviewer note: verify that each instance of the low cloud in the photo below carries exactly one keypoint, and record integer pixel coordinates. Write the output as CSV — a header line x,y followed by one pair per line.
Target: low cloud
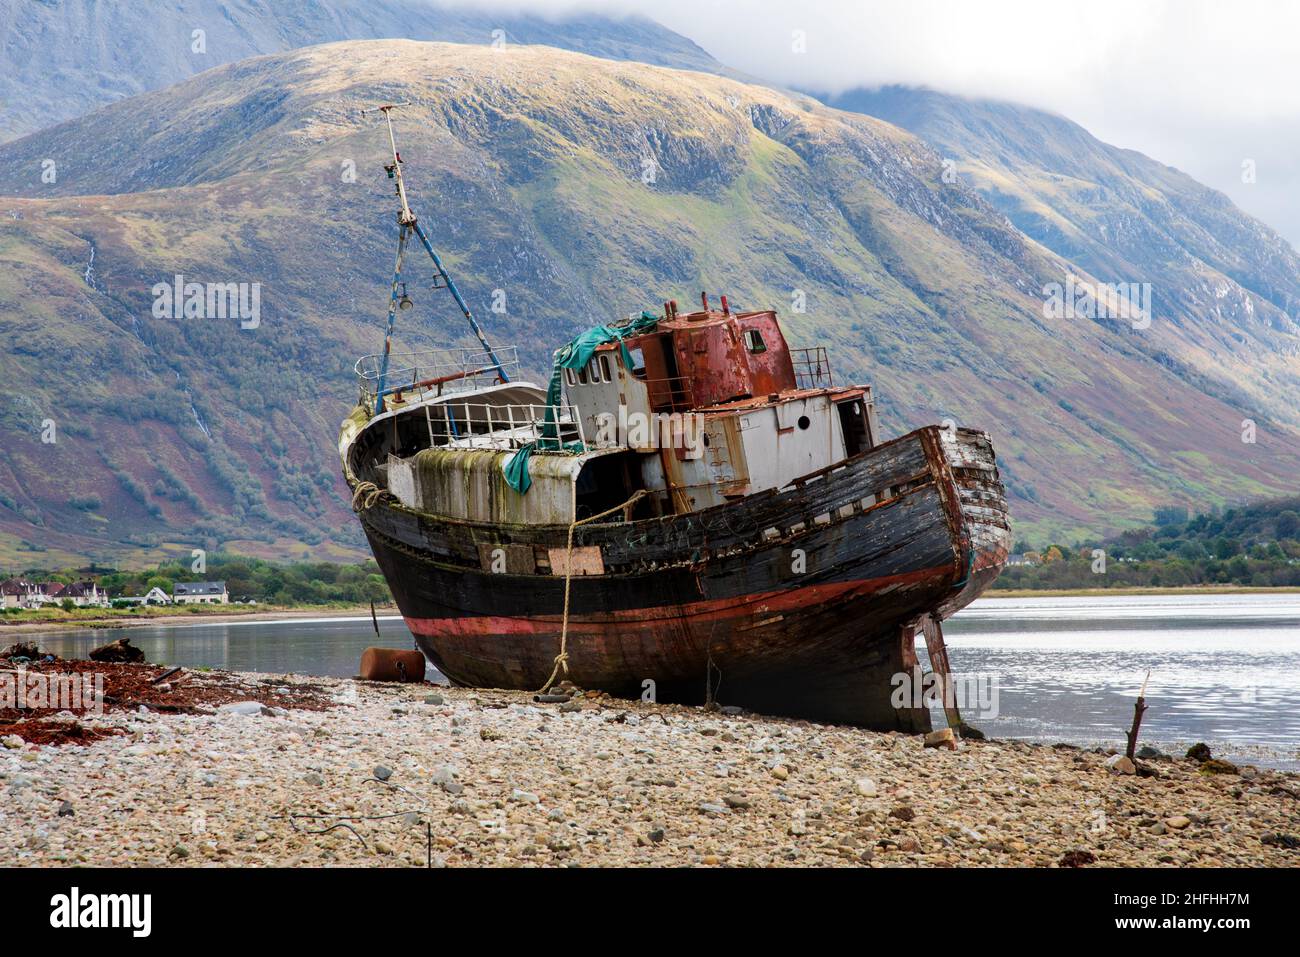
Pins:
x,y
1197,84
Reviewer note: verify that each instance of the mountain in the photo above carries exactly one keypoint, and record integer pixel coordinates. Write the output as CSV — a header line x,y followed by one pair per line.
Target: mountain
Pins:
x,y
1225,287
568,190
64,58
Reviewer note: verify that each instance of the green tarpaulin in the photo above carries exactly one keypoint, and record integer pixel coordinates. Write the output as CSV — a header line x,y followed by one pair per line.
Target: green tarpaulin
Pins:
x,y
575,355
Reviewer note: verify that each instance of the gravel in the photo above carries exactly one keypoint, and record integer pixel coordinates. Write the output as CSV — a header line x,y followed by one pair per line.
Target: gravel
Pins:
x,y
583,783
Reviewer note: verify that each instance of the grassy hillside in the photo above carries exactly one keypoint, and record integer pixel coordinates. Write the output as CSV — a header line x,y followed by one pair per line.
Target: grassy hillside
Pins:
x,y
60,59
529,167
1225,287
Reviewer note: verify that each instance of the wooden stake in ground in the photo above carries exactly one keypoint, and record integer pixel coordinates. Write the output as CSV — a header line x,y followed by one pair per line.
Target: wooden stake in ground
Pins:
x,y
938,653
1138,710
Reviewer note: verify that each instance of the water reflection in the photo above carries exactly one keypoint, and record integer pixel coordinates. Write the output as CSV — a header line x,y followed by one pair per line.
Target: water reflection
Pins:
x,y
322,646
1225,669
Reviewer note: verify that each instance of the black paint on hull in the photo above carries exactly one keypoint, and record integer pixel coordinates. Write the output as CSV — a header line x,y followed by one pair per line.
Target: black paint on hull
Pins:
x,y
722,595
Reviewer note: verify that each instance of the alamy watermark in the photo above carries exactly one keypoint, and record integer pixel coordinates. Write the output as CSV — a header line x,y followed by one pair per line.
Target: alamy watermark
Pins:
x,y
1078,299
48,691
209,300
642,430
975,694
75,909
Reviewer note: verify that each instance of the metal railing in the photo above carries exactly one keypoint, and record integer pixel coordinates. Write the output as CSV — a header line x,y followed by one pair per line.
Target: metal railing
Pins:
x,y
673,394
434,370
812,368
485,425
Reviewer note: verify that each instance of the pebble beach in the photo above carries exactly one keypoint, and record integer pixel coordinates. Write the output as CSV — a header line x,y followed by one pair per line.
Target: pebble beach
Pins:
x,y
376,775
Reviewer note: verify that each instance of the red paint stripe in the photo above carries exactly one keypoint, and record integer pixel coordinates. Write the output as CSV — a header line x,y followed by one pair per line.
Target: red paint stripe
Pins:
x,y
757,605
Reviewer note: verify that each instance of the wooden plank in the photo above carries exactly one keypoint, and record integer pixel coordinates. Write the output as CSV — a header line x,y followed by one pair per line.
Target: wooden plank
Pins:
x,y
508,559
938,652
584,560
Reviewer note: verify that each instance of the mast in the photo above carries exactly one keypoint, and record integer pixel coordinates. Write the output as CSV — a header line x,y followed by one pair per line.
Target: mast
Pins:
x,y
407,224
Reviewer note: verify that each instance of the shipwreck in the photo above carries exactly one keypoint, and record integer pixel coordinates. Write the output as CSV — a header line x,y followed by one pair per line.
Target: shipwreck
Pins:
x,y
688,506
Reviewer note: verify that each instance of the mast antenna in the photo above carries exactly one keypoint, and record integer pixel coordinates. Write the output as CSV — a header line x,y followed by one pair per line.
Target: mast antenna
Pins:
x,y
408,223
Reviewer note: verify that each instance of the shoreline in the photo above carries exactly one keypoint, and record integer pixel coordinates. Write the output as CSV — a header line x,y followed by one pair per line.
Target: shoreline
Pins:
x,y
1137,591
171,617
114,622
472,777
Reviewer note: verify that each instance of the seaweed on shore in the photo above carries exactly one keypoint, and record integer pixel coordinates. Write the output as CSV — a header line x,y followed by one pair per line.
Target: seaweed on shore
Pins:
x,y
127,687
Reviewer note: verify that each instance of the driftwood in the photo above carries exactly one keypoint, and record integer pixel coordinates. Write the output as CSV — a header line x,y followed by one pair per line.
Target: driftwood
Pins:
x,y
1139,709
165,675
118,651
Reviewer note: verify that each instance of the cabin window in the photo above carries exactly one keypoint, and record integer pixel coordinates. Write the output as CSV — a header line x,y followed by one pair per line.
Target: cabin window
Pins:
x,y
754,339
582,375
638,362
569,377
604,368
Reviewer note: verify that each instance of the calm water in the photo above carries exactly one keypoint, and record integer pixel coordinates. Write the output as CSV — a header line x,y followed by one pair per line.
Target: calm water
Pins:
x,y
1225,669
319,646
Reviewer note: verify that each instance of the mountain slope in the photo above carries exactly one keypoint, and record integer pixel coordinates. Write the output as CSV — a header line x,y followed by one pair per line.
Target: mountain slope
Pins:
x,y
1226,288
60,59
529,167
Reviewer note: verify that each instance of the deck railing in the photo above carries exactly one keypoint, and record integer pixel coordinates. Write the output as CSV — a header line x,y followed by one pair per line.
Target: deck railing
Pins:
x,y
459,423
671,394
434,370
812,368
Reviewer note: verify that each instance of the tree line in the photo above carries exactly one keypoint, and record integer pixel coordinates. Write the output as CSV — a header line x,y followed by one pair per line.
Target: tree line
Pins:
x,y
1254,545
247,579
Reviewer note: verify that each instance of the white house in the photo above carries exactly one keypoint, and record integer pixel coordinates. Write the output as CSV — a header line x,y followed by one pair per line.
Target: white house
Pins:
x,y
17,593
49,593
154,596
85,593
200,593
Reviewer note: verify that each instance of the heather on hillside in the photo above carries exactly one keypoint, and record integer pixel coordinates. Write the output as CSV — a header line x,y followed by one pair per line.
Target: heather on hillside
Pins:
x,y
564,191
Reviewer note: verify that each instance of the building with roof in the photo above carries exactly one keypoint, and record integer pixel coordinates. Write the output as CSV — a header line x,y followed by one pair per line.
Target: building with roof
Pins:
x,y
200,593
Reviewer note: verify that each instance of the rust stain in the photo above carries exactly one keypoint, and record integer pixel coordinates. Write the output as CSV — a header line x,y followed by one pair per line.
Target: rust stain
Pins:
x,y
584,560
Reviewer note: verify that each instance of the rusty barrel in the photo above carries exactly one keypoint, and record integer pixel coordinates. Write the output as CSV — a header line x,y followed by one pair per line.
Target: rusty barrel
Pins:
x,y
392,664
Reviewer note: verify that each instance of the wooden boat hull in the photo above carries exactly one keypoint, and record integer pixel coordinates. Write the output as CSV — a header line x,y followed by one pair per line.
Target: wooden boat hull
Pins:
x,y
801,602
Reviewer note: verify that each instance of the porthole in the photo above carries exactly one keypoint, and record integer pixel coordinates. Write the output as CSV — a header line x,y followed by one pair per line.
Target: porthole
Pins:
x,y
804,422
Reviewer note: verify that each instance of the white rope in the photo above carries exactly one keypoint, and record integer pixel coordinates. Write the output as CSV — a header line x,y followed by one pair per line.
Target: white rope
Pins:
x,y
562,659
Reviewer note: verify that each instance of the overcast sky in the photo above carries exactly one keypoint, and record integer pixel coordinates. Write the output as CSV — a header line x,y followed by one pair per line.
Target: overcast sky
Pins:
x,y
1199,84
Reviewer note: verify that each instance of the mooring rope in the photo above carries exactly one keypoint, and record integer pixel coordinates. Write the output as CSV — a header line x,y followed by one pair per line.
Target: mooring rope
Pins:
x,y
365,495
562,659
